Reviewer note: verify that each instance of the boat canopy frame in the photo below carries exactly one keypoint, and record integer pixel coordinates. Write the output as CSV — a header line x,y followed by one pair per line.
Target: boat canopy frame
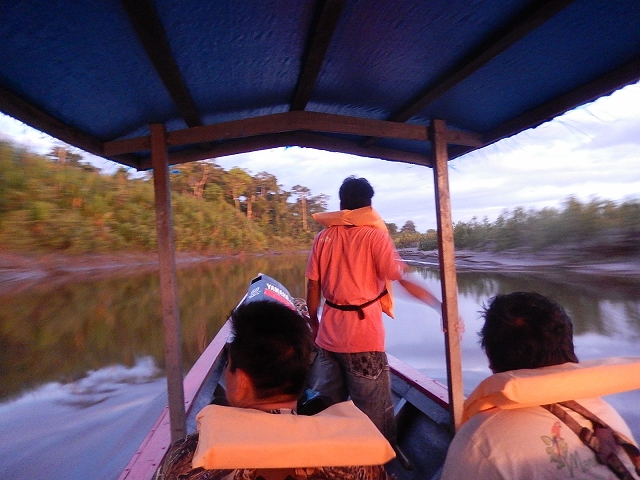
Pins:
x,y
153,83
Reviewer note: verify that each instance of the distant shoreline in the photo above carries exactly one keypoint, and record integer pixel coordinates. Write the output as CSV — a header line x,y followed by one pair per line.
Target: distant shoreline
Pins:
x,y
18,271
566,258
21,271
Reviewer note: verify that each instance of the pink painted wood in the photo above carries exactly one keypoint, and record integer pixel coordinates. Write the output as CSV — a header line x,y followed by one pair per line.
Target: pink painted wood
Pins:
x,y
145,461
426,385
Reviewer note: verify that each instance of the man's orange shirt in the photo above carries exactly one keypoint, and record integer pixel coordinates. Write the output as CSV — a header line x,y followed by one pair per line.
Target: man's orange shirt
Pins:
x,y
352,265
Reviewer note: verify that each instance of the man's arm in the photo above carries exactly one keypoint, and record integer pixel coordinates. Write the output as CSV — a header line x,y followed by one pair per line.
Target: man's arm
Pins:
x,y
427,297
421,294
394,268
313,303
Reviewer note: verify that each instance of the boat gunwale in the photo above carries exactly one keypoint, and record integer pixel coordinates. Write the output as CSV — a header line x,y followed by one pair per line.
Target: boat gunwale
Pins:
x,y
426,385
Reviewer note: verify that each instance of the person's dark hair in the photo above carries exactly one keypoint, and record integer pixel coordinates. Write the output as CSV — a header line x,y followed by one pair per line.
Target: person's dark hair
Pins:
x,y
526,330
355,193
272,344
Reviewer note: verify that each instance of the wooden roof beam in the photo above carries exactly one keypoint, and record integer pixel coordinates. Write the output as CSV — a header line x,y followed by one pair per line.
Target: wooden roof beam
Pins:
x,y
290,122
288,139
325,25
146,23
25,112
498,43
590,91
604,85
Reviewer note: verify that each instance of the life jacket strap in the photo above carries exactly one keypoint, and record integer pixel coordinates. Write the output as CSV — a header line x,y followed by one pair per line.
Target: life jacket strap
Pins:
x,y
602,439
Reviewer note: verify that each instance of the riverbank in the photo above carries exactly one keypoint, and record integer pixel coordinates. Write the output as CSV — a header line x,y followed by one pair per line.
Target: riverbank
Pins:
x,y
21,271
18,271
567,259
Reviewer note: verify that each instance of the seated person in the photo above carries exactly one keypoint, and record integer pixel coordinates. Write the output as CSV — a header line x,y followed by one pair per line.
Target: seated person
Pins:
x,y
268,367
510,430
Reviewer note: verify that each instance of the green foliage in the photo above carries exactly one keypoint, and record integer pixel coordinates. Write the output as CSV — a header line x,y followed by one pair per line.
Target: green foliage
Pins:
x,y
57,203
428,241
392,228
407,239
593,224
408,227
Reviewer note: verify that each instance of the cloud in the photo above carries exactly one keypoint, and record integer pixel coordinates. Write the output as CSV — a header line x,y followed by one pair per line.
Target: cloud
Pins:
x,y
23,134
590,152
619,134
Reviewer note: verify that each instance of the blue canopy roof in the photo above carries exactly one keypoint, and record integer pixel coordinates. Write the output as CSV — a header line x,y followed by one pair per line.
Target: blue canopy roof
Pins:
x,y
358,76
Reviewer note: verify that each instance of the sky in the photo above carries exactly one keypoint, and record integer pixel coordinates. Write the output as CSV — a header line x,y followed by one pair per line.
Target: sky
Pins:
x,y
590,152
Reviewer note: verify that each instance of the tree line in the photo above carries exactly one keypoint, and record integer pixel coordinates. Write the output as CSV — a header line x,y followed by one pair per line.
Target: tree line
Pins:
x,y
56,202
602,225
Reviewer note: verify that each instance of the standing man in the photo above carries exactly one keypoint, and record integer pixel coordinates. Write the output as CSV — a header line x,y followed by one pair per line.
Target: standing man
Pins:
x,y
351,265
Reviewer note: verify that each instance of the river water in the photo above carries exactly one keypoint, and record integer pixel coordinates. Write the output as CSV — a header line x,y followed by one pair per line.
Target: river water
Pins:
x,y
81,362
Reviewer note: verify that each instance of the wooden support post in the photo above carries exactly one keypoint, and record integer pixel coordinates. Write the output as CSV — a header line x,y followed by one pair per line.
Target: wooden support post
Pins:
x,y
168,282
440,158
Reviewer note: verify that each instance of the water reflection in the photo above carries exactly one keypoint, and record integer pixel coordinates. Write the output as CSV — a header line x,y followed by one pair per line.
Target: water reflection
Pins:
x,y
605,312
59,332
607,306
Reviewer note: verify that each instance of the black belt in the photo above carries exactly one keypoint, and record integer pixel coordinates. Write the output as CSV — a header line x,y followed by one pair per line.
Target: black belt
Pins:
x,y
356,308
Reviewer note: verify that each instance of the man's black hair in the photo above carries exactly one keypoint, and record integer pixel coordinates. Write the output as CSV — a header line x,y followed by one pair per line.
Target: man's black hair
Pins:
x,y
526,330
355,193
271,343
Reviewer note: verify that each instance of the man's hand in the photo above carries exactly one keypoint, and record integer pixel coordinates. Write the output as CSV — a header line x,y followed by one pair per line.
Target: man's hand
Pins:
x,y
459,327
